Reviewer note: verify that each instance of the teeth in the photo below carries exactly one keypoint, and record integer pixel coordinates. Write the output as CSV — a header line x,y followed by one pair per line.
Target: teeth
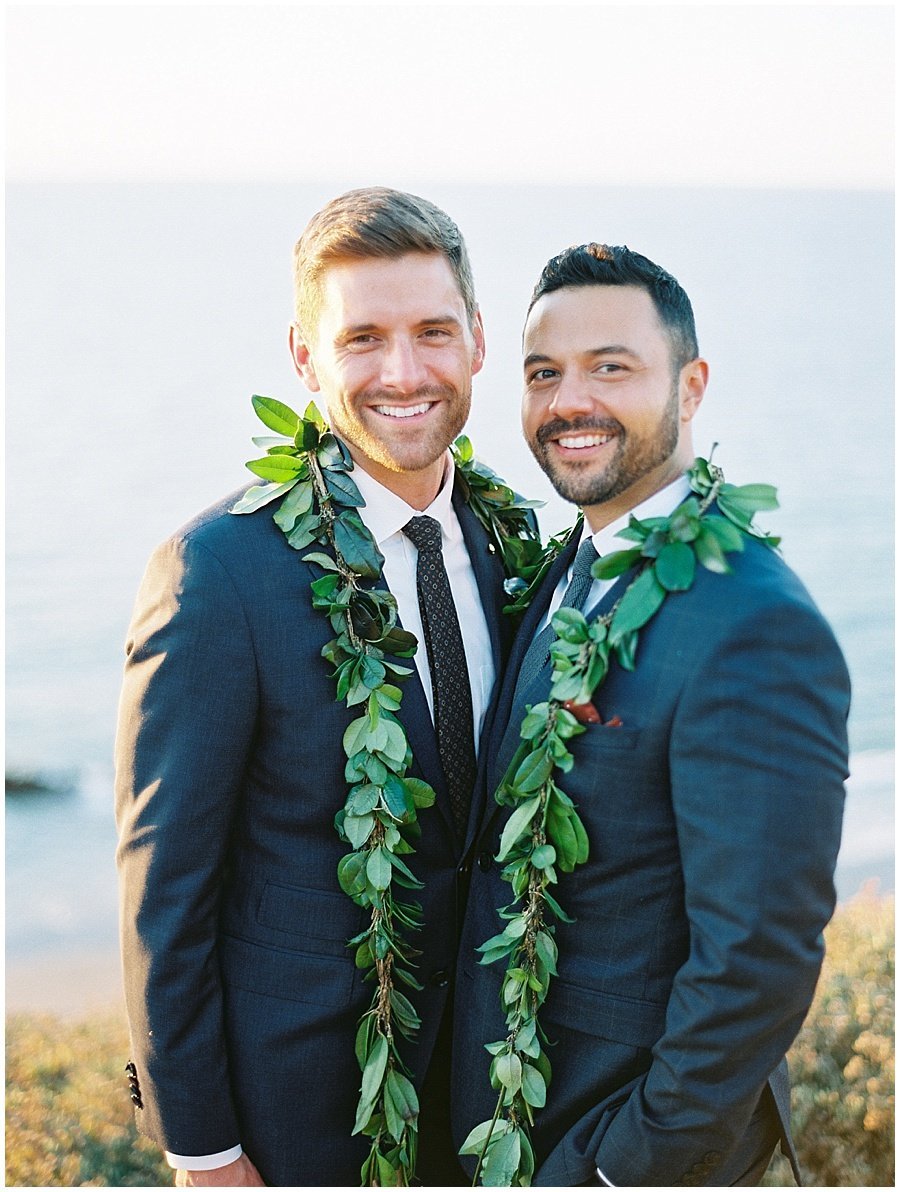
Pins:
x,y
584,440
404,411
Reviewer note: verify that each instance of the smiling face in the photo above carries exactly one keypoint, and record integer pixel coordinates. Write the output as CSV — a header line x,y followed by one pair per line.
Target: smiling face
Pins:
x,y
604,413
393,356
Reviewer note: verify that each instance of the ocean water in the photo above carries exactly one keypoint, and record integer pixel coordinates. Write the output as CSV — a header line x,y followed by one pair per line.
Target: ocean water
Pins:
x,y
140,319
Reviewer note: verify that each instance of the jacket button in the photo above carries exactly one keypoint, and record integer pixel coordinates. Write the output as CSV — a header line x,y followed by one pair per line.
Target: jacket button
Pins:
x,y
131,1069
137,1100
485,860
440,979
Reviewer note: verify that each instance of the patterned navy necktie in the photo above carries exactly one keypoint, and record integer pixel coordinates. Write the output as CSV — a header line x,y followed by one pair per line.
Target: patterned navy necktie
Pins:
x,y
452,694
574,597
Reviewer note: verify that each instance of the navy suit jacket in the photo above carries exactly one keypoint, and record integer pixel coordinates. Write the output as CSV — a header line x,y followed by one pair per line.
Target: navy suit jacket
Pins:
x,y
242,997
713,812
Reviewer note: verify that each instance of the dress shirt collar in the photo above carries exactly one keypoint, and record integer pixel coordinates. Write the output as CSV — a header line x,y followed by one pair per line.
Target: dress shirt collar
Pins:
x,y
661,504
385,514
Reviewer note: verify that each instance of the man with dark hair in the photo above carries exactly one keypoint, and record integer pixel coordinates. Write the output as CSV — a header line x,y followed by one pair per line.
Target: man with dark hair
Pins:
x,y
707,770
613,265
243,998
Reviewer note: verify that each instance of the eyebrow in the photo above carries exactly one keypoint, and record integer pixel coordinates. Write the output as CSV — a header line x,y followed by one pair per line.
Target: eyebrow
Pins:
x,y
356,329
431,321
607,350
534,358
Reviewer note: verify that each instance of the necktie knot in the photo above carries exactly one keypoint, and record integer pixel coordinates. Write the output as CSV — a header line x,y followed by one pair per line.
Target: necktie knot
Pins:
x,y
424,533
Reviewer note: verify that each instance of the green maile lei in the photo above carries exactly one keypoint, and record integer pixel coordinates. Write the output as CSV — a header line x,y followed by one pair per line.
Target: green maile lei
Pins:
x,y
309,469
544,833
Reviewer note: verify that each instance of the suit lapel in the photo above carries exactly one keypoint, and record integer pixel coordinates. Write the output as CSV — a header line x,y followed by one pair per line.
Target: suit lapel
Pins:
x,y
512,711
415,717
414,713
489,575
505,738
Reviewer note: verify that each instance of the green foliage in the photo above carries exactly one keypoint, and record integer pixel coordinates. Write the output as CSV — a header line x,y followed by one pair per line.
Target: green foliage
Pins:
x,y
842,1063
310,468
378,819
69,1121
544,833
276,416
507,519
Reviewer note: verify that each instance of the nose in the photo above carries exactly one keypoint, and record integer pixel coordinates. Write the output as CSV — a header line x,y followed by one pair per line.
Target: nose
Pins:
x,y
572,398
402,367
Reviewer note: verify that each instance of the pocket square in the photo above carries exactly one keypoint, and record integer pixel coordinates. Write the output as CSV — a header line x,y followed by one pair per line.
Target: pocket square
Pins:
x,y
583,713
588,714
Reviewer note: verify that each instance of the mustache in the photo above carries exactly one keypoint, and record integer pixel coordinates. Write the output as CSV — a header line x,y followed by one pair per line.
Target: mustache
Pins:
x,y
559,426
386,397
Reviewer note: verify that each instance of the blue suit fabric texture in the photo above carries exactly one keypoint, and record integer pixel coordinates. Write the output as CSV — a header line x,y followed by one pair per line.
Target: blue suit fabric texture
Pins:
x,y
713,807
242,996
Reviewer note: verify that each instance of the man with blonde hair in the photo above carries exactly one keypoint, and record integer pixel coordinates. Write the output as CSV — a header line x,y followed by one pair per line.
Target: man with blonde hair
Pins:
x,y
243,998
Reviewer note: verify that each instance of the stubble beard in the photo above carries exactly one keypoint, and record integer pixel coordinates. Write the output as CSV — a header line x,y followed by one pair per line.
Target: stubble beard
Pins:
x,y
396,449
632,460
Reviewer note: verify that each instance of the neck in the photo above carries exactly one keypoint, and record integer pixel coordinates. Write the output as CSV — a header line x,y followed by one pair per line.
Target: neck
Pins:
x,y
603,514
418,489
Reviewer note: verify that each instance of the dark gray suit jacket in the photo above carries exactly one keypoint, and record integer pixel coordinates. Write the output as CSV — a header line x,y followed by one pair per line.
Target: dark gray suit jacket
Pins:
x,y
242,997
714,815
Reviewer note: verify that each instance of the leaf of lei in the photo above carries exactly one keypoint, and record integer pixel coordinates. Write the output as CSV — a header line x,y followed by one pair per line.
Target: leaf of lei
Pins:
x,y
309,468
510,523
544,830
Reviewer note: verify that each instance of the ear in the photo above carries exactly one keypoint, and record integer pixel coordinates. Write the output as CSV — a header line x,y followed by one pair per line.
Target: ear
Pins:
x,y
302,358
478,336
691,387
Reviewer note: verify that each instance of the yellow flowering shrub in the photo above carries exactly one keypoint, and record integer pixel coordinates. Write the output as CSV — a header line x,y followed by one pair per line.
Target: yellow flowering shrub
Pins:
x,y
69,1119
68,1113
842,1063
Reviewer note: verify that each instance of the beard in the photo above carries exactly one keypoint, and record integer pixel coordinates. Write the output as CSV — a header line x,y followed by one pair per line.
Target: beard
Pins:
x,y
635,455
390,444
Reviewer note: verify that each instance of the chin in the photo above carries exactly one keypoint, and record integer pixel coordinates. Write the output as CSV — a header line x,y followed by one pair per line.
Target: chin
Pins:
x,y
579,487
414,456
416,461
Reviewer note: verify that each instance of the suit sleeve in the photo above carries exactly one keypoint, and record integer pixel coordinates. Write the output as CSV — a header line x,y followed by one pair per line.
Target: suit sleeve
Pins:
x,y
186,720
757,760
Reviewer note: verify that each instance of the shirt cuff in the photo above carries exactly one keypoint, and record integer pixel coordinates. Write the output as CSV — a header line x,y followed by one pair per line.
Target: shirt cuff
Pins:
x,y
204,1162
604,1180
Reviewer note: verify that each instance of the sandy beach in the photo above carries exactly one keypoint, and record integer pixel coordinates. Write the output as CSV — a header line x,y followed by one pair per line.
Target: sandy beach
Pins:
x,y
70,984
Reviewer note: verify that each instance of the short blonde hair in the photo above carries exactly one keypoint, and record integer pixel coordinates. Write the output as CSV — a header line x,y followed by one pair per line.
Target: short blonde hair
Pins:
x,y
374,222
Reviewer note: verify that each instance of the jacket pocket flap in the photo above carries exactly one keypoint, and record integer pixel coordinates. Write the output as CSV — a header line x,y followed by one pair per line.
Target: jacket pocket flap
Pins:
x,y
314,914
619,1019
608,736
292,976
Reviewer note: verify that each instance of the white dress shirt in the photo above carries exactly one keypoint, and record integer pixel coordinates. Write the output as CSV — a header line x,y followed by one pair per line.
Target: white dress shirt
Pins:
x,y
385,514
661,504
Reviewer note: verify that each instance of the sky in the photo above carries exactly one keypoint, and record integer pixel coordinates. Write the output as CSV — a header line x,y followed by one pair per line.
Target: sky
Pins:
x,y
716,94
